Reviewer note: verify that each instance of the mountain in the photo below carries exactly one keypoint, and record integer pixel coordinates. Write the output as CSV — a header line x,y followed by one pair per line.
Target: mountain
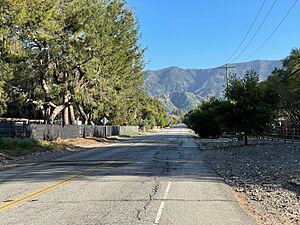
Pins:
x,y
183,89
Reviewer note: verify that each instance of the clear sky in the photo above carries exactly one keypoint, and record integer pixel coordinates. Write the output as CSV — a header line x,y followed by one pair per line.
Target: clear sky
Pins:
x,y
204,33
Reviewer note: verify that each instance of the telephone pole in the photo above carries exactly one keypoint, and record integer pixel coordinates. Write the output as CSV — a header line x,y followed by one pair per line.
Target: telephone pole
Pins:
x,y
226,67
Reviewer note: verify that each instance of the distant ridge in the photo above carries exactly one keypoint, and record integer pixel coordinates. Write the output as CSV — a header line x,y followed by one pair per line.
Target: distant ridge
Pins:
x,y
183,89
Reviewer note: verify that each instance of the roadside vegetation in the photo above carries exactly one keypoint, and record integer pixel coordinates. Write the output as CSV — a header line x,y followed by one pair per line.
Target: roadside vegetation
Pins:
x,y
11,148
251,106
69,60
14,147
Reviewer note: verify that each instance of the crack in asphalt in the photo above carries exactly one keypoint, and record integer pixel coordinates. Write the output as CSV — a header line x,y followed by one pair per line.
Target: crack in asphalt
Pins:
x,y
151,195
144,200
165,169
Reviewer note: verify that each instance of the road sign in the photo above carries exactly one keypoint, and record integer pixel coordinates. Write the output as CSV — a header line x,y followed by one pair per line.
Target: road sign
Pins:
x,y
104,120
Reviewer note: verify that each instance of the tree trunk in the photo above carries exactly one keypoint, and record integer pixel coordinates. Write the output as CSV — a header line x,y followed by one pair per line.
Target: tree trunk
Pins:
x,y
90,119
66,120
83,115
47,114
246,138
72,115
57,110
66,116
47,108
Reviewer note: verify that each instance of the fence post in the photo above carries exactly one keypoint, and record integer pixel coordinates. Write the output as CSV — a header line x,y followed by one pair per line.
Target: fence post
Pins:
x,y
286,135
15,131
293,134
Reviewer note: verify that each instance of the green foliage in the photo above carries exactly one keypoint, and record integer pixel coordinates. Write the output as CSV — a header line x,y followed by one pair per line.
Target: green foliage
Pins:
x,y
286,82
74,59
9,48
208,118
18,146
250,108
172,119
153,113
255,105
3,97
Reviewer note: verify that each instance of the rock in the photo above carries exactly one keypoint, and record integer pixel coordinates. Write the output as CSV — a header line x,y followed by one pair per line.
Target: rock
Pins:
x,y
266,173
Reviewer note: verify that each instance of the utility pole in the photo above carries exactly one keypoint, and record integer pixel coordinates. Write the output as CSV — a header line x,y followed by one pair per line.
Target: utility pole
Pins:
x,y
226,67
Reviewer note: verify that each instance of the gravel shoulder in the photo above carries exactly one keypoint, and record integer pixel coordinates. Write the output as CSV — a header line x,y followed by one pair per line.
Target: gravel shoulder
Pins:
x,y
265,176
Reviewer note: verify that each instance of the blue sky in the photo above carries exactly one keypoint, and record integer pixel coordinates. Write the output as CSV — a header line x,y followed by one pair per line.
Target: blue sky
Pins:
x,y
204,33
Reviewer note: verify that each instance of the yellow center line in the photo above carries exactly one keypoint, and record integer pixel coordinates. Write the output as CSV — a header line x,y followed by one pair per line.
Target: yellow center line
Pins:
x,y
31,195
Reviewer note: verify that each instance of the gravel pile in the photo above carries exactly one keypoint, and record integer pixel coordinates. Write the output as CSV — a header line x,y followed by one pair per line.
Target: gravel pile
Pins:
x,y
265,174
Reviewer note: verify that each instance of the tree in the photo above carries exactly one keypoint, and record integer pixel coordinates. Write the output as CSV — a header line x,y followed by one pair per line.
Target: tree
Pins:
x,y
286,82
30,27
250,108
75,59
208,120
254,105
152,113
2,97
10,51
5,74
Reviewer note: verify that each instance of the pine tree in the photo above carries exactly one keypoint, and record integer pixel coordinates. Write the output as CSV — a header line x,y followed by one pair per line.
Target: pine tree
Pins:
x,y
76,58
286,81
253,107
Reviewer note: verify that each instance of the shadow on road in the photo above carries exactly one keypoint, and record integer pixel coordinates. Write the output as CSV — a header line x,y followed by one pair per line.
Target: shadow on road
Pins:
x,y
171,154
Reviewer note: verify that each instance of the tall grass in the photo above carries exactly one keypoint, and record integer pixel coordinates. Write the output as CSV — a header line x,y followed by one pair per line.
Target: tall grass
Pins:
x,y
18,146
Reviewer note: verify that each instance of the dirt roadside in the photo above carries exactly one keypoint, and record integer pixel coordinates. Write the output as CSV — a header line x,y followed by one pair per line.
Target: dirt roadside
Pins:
x,y
265,176
63,148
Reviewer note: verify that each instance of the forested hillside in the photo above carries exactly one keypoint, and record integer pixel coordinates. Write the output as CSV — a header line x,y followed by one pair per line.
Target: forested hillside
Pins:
x,y
73,60
184,89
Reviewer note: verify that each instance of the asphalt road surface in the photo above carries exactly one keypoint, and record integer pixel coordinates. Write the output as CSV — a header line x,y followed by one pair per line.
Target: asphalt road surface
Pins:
x,y
158,178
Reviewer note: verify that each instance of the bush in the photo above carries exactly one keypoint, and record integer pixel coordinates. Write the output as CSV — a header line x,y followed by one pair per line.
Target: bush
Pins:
x,y
205,120
18,146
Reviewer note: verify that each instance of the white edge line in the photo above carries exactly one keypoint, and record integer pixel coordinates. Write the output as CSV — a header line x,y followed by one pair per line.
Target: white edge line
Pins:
x,y
162,204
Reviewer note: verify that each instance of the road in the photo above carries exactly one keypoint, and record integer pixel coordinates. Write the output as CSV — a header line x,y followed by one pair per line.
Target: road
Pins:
x,y
159,178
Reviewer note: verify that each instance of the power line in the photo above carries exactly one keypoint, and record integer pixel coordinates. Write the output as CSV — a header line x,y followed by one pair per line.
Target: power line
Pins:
x,y
272,33
292,74
288,76
260,26
246,35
